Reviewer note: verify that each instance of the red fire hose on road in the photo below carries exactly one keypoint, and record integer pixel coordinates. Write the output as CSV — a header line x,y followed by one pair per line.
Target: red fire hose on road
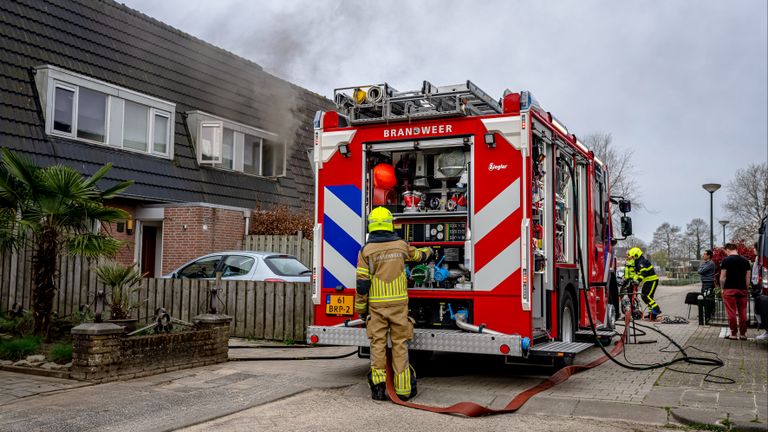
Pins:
x,y
471,409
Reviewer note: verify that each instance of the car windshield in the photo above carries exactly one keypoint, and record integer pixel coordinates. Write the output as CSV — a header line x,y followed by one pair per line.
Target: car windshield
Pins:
x,y
286,266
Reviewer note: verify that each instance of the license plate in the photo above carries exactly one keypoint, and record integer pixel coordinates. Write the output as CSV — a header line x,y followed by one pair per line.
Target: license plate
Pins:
x,y
339,304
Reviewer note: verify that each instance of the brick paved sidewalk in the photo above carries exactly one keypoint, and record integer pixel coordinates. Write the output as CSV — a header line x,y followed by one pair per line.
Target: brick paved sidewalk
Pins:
x,y
14,386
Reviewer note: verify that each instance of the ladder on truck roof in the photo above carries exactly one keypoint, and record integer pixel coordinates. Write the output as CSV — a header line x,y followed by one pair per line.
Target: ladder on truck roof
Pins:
x,y
382,103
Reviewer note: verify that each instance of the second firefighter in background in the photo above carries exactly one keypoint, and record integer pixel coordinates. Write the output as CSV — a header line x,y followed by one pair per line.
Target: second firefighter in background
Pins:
x,y
646,278
382,300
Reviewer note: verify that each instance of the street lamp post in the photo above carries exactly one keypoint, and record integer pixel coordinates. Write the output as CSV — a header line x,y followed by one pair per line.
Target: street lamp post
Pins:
x,y
711,188
724,223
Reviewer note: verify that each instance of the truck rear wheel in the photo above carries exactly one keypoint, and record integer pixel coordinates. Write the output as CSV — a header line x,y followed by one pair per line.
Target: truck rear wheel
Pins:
x,y
567,329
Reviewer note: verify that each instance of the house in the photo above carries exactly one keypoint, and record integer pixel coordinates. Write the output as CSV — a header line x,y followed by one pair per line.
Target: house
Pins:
x,y
207,136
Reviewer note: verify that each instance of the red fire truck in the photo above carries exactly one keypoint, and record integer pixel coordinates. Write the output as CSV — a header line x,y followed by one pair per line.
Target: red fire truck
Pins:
x,y
516,208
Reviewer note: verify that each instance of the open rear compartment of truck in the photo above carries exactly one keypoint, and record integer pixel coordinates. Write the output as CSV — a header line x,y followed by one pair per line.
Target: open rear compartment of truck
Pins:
x,y
477,182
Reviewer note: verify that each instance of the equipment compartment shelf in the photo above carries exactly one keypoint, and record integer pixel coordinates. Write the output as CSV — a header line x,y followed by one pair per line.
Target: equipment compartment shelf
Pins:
x,y
430,215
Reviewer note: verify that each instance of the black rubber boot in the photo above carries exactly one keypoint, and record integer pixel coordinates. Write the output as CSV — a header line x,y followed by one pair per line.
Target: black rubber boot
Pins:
x,y
379,392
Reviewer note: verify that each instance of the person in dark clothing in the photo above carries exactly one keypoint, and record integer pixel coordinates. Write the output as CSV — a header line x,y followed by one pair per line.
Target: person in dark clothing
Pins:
x,y
707,274
735,275
646,277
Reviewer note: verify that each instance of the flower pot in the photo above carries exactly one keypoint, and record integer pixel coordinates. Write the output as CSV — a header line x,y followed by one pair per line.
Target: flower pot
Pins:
x,y
129,324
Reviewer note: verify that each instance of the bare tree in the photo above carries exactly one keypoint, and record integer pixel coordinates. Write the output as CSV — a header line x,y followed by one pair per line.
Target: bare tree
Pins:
x,y
666,239
747,202
696,233
633,241
621,168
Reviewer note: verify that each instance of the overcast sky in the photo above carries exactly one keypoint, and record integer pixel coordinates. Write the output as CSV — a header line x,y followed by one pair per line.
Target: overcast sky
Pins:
x,y
683,83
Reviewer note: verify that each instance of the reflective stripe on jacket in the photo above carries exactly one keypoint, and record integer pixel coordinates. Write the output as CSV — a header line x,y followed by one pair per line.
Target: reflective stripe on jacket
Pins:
x,y
644,270
381,270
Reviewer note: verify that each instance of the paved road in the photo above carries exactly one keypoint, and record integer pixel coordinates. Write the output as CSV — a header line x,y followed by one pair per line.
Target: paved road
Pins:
x,y
332,395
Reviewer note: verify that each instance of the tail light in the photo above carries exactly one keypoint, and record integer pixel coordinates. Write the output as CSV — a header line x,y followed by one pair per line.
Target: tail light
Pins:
x,y
274,280
314,339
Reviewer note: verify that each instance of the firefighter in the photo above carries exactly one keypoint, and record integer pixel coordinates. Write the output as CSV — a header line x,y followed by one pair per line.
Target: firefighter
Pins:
x,y
382,301
646,277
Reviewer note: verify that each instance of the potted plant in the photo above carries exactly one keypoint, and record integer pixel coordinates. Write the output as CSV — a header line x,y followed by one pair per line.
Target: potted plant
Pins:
x,y
123,281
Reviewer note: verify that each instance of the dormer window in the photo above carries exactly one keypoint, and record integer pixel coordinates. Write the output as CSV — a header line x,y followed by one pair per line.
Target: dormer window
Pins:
x,y
228,145
89,110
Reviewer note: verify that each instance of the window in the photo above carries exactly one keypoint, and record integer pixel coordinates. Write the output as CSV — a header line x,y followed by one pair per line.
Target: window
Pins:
x,y
252,155
227,150
210,142
598,205
91,115
64,109
237,265
233,146
136,126
160,137
286,266
200,269
89,110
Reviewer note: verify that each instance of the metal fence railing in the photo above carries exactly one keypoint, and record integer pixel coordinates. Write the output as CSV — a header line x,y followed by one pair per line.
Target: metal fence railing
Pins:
x,y
719,317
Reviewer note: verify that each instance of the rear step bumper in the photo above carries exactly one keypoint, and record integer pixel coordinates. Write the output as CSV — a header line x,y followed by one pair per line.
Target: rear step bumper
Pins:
x,y
559,349
426,340
590,335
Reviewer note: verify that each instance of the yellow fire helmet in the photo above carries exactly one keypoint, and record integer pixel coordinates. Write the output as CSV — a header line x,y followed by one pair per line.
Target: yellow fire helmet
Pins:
x,y
634,253
380,219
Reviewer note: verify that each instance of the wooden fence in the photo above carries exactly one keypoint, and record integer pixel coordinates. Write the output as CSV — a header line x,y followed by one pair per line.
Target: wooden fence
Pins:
x,y
274,311
295,245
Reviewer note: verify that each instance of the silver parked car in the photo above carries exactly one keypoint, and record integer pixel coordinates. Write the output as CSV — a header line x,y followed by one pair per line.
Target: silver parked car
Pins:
x,y
245,265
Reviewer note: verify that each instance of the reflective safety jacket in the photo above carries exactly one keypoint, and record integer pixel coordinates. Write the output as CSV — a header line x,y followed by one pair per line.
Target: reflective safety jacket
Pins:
x,y
381,270
644,271
629,270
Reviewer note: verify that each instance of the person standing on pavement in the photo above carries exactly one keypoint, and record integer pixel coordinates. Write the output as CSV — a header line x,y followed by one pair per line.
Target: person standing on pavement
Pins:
x,y
707,273
646,276
734,279
382,302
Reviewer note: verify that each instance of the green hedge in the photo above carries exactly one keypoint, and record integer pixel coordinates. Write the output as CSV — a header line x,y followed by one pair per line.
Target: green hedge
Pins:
x,y
679,282
17,349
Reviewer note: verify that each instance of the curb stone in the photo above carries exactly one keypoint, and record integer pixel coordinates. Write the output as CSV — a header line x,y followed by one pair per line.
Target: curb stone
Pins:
x,y
693,416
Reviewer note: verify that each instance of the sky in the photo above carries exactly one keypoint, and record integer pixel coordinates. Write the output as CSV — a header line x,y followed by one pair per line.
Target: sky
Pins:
x,y
681,83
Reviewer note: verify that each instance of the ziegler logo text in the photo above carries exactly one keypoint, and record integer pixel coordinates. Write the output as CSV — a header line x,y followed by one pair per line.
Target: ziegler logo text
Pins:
x,y
494,167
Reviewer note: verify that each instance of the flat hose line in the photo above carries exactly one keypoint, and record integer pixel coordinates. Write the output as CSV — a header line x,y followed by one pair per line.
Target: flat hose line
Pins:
x,y
472,409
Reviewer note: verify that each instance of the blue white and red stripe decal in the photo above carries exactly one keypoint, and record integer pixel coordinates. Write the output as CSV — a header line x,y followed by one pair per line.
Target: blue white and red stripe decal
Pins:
x,y
342,234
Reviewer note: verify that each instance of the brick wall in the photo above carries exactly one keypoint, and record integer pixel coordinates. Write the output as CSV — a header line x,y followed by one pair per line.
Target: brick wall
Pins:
x,y
189,232
102,358
127,253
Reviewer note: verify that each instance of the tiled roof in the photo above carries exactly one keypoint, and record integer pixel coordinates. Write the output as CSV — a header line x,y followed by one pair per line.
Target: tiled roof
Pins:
x,y
113,43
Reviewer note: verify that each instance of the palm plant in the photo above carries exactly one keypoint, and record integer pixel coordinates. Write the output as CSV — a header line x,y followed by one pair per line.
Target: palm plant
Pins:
x,y
123,281
58,211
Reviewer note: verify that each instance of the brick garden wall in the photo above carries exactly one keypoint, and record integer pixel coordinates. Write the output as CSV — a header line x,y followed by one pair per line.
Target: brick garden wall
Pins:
x,y
207,230
109,357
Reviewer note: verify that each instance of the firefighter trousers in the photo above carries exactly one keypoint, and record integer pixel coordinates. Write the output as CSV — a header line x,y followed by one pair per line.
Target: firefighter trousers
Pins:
x,y
392,319
648,290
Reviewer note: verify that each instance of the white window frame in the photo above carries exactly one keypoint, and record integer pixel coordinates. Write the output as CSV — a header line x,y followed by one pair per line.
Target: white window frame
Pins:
x,y
218,137
153,112
195,121
75,92
48,78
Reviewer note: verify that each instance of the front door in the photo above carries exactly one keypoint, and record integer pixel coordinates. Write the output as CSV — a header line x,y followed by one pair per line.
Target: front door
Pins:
x,y
148,250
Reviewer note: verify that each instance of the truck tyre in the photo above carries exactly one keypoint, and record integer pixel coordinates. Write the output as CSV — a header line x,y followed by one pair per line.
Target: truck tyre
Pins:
x,y
567,329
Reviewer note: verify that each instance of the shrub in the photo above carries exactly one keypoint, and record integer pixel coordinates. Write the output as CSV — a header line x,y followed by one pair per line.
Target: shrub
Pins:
x,y
123,281
281,221
61,353
679,282
16,349
19,326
